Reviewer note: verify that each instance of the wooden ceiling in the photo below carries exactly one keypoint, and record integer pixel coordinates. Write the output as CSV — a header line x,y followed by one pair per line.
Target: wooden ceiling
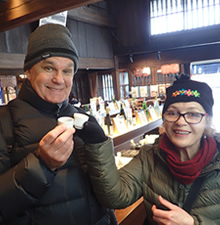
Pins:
x,y
15,13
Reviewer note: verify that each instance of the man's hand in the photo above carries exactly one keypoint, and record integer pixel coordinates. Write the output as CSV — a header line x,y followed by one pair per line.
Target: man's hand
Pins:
x,y
56,146
173,216
92,133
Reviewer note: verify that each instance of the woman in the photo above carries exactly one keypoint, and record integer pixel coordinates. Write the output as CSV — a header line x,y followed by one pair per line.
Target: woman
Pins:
x,y
185,155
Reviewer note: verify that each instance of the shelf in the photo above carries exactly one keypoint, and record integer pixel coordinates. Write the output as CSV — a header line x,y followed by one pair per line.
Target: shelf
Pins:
x,y
121,140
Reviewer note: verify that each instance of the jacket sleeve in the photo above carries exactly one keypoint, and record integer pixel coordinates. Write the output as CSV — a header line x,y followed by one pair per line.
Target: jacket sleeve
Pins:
x,y
198,219
113,188
22,185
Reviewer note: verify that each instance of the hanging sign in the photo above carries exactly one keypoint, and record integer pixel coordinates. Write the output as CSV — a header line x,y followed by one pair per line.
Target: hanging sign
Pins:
x,y
170,68
146,71
59,18
174,68
138,72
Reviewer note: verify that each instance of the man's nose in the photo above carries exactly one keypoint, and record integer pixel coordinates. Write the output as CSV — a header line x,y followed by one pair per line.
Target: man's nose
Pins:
x,y
58,77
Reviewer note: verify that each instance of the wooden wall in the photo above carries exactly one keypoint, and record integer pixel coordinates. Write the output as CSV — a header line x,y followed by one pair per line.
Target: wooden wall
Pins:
x,y
81,88
93,42
132,38
90,40
126,44
131,21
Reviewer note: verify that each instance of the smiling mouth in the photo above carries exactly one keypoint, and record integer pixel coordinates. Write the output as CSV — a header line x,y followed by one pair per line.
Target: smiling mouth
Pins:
x,y
181,132
55,89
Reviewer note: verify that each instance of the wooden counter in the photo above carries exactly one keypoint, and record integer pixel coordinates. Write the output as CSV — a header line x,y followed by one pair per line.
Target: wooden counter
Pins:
x,y
123,141
134,214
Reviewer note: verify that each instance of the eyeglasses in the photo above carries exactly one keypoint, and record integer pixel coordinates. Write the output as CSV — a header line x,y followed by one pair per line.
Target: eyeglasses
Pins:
x,y
189,117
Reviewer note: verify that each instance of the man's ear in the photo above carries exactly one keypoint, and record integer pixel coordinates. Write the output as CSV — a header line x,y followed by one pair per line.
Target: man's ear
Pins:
x,y
28,74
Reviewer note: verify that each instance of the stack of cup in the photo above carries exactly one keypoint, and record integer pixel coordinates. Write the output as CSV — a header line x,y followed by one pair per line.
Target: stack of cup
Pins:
x,y
78,120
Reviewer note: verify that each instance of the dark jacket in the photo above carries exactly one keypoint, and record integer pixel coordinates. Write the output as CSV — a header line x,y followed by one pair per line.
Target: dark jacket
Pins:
x,y
148,175
30,194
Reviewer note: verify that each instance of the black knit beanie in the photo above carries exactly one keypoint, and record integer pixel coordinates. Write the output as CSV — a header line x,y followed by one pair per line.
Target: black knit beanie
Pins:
x,y
50,40
186,90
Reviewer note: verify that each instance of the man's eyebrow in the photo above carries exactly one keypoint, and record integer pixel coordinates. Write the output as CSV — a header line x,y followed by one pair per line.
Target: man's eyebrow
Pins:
x,y
48,61
70,65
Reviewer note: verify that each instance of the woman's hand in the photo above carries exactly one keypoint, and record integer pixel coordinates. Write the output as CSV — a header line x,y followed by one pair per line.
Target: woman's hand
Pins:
x,y
174,215
56,146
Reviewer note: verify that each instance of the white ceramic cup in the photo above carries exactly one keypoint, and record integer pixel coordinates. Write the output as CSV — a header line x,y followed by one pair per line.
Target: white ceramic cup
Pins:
x,y
67,120
80,119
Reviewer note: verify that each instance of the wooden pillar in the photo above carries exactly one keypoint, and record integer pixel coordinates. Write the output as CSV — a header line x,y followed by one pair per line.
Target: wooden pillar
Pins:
x,y
116,81
131,80
186,67
154,75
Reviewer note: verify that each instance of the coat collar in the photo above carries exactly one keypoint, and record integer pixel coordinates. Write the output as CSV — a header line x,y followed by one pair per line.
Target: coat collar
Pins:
x,y
30,96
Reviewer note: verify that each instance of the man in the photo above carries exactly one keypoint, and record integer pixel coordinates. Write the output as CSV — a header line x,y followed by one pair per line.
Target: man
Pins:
x,y
43,176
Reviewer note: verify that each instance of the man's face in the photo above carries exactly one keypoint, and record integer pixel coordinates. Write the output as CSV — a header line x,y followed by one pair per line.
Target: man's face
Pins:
x,y
52,78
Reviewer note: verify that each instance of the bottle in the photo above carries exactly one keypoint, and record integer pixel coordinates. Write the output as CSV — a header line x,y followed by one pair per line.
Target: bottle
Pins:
x,y
144,105
122,111
113,99
157,107
119,163
145,108
114,102
133,114
108,122
1,97
132,144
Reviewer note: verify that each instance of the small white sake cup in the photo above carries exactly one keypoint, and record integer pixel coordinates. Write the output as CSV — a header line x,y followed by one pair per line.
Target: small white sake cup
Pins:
x,y
67,120
80,119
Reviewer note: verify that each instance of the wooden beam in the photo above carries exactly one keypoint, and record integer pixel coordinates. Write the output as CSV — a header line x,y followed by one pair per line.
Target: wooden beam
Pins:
x,y
9,60
90,15
95,63
10,63
16,13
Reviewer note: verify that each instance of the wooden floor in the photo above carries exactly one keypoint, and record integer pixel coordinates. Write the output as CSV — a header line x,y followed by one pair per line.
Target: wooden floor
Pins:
x,y
135,214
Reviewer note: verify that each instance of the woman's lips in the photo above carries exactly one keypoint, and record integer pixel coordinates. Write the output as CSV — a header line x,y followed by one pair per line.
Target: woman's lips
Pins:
x,y
182,132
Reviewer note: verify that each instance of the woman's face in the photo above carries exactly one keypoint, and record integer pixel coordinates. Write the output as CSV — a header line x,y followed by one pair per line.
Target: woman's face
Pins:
x,y
182,134
52,78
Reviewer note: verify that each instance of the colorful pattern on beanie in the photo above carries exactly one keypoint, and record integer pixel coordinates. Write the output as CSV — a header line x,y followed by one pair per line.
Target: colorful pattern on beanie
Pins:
x,y
188,92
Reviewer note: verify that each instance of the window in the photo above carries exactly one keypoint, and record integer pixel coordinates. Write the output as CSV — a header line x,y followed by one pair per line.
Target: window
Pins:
x,y
176,15
124,84
105,87
209,72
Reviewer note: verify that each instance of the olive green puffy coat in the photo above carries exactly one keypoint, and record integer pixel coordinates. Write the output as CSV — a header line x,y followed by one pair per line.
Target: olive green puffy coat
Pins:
x,y
148,175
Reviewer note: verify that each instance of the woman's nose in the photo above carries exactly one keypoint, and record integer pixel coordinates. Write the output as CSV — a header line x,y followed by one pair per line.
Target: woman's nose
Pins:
x,y
181,120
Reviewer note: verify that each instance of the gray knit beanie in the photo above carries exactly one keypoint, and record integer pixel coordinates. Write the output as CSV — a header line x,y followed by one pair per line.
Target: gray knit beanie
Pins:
x,y
50,40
